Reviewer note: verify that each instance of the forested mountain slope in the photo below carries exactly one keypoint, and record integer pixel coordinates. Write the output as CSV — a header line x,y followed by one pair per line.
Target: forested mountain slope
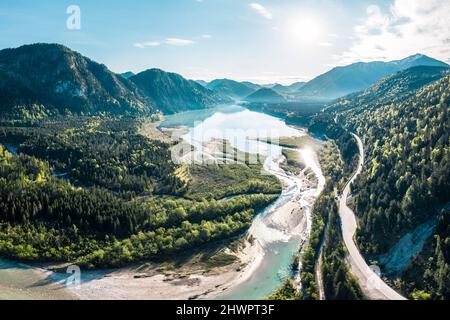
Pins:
x,y
393,89
172,93
406,180
342,81
231,88
265,95
46,79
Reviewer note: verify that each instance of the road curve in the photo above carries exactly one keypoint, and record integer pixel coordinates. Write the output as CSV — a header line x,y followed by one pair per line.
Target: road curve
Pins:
x,y
370,282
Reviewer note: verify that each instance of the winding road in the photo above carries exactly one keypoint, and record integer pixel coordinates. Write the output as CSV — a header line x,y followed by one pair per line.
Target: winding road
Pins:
x,y
369,280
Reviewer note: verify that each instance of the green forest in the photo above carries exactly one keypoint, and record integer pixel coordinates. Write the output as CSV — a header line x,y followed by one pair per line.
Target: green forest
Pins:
x,y
406,179
95,192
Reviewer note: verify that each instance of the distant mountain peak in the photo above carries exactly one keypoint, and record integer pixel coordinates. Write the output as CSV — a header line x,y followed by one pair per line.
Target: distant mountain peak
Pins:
x,y
393,89
266,95
231,88
127,74
359,76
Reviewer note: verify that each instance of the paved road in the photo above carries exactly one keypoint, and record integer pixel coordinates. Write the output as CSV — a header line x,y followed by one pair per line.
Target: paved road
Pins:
x,y
370,282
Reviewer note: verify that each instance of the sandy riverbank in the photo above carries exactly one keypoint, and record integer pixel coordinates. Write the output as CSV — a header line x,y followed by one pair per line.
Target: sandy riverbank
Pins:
x,y
132,283
20,281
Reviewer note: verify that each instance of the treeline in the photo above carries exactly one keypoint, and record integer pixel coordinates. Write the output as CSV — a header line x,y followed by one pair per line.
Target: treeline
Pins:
x,y
45,219
339,283
287,291
324,124
294,113
331,165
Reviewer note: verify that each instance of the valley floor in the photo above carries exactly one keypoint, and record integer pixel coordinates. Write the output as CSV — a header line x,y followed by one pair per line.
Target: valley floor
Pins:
x,y
181,279
184,278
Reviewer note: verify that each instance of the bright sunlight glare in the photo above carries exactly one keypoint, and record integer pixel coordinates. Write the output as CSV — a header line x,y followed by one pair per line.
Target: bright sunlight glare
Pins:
x,y
305,29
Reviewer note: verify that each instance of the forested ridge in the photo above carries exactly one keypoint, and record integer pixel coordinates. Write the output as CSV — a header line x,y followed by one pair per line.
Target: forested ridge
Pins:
x,y
404,123
92,152
406,177
93,191
41,79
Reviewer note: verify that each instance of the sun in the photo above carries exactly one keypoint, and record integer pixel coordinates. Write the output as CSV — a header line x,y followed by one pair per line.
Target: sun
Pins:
x,y
305,29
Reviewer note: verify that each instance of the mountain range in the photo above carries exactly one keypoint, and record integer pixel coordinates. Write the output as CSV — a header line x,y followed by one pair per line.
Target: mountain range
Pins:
x,y
61,81
55,79
329,86
127,75
393,89
289,89
231,88
342,81
241,90
172,93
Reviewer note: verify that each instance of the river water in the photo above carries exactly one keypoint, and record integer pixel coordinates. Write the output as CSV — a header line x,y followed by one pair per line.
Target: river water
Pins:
x,y
246,130
241,128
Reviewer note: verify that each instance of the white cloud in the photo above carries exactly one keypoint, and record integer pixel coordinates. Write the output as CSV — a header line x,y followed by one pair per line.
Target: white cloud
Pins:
x,y
261,10
326,44
409,27
143,45
206,36
179,42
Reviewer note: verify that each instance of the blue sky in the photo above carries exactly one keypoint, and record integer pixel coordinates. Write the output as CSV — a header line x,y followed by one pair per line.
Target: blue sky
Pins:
x,y
262,41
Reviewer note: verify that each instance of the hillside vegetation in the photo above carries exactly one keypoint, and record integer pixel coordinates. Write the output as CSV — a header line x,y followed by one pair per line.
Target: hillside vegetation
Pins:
x,y
407,173
47,79
172,93
43,80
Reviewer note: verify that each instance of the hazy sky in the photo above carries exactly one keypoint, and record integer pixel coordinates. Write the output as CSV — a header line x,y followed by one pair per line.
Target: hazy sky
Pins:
x,y
263,41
